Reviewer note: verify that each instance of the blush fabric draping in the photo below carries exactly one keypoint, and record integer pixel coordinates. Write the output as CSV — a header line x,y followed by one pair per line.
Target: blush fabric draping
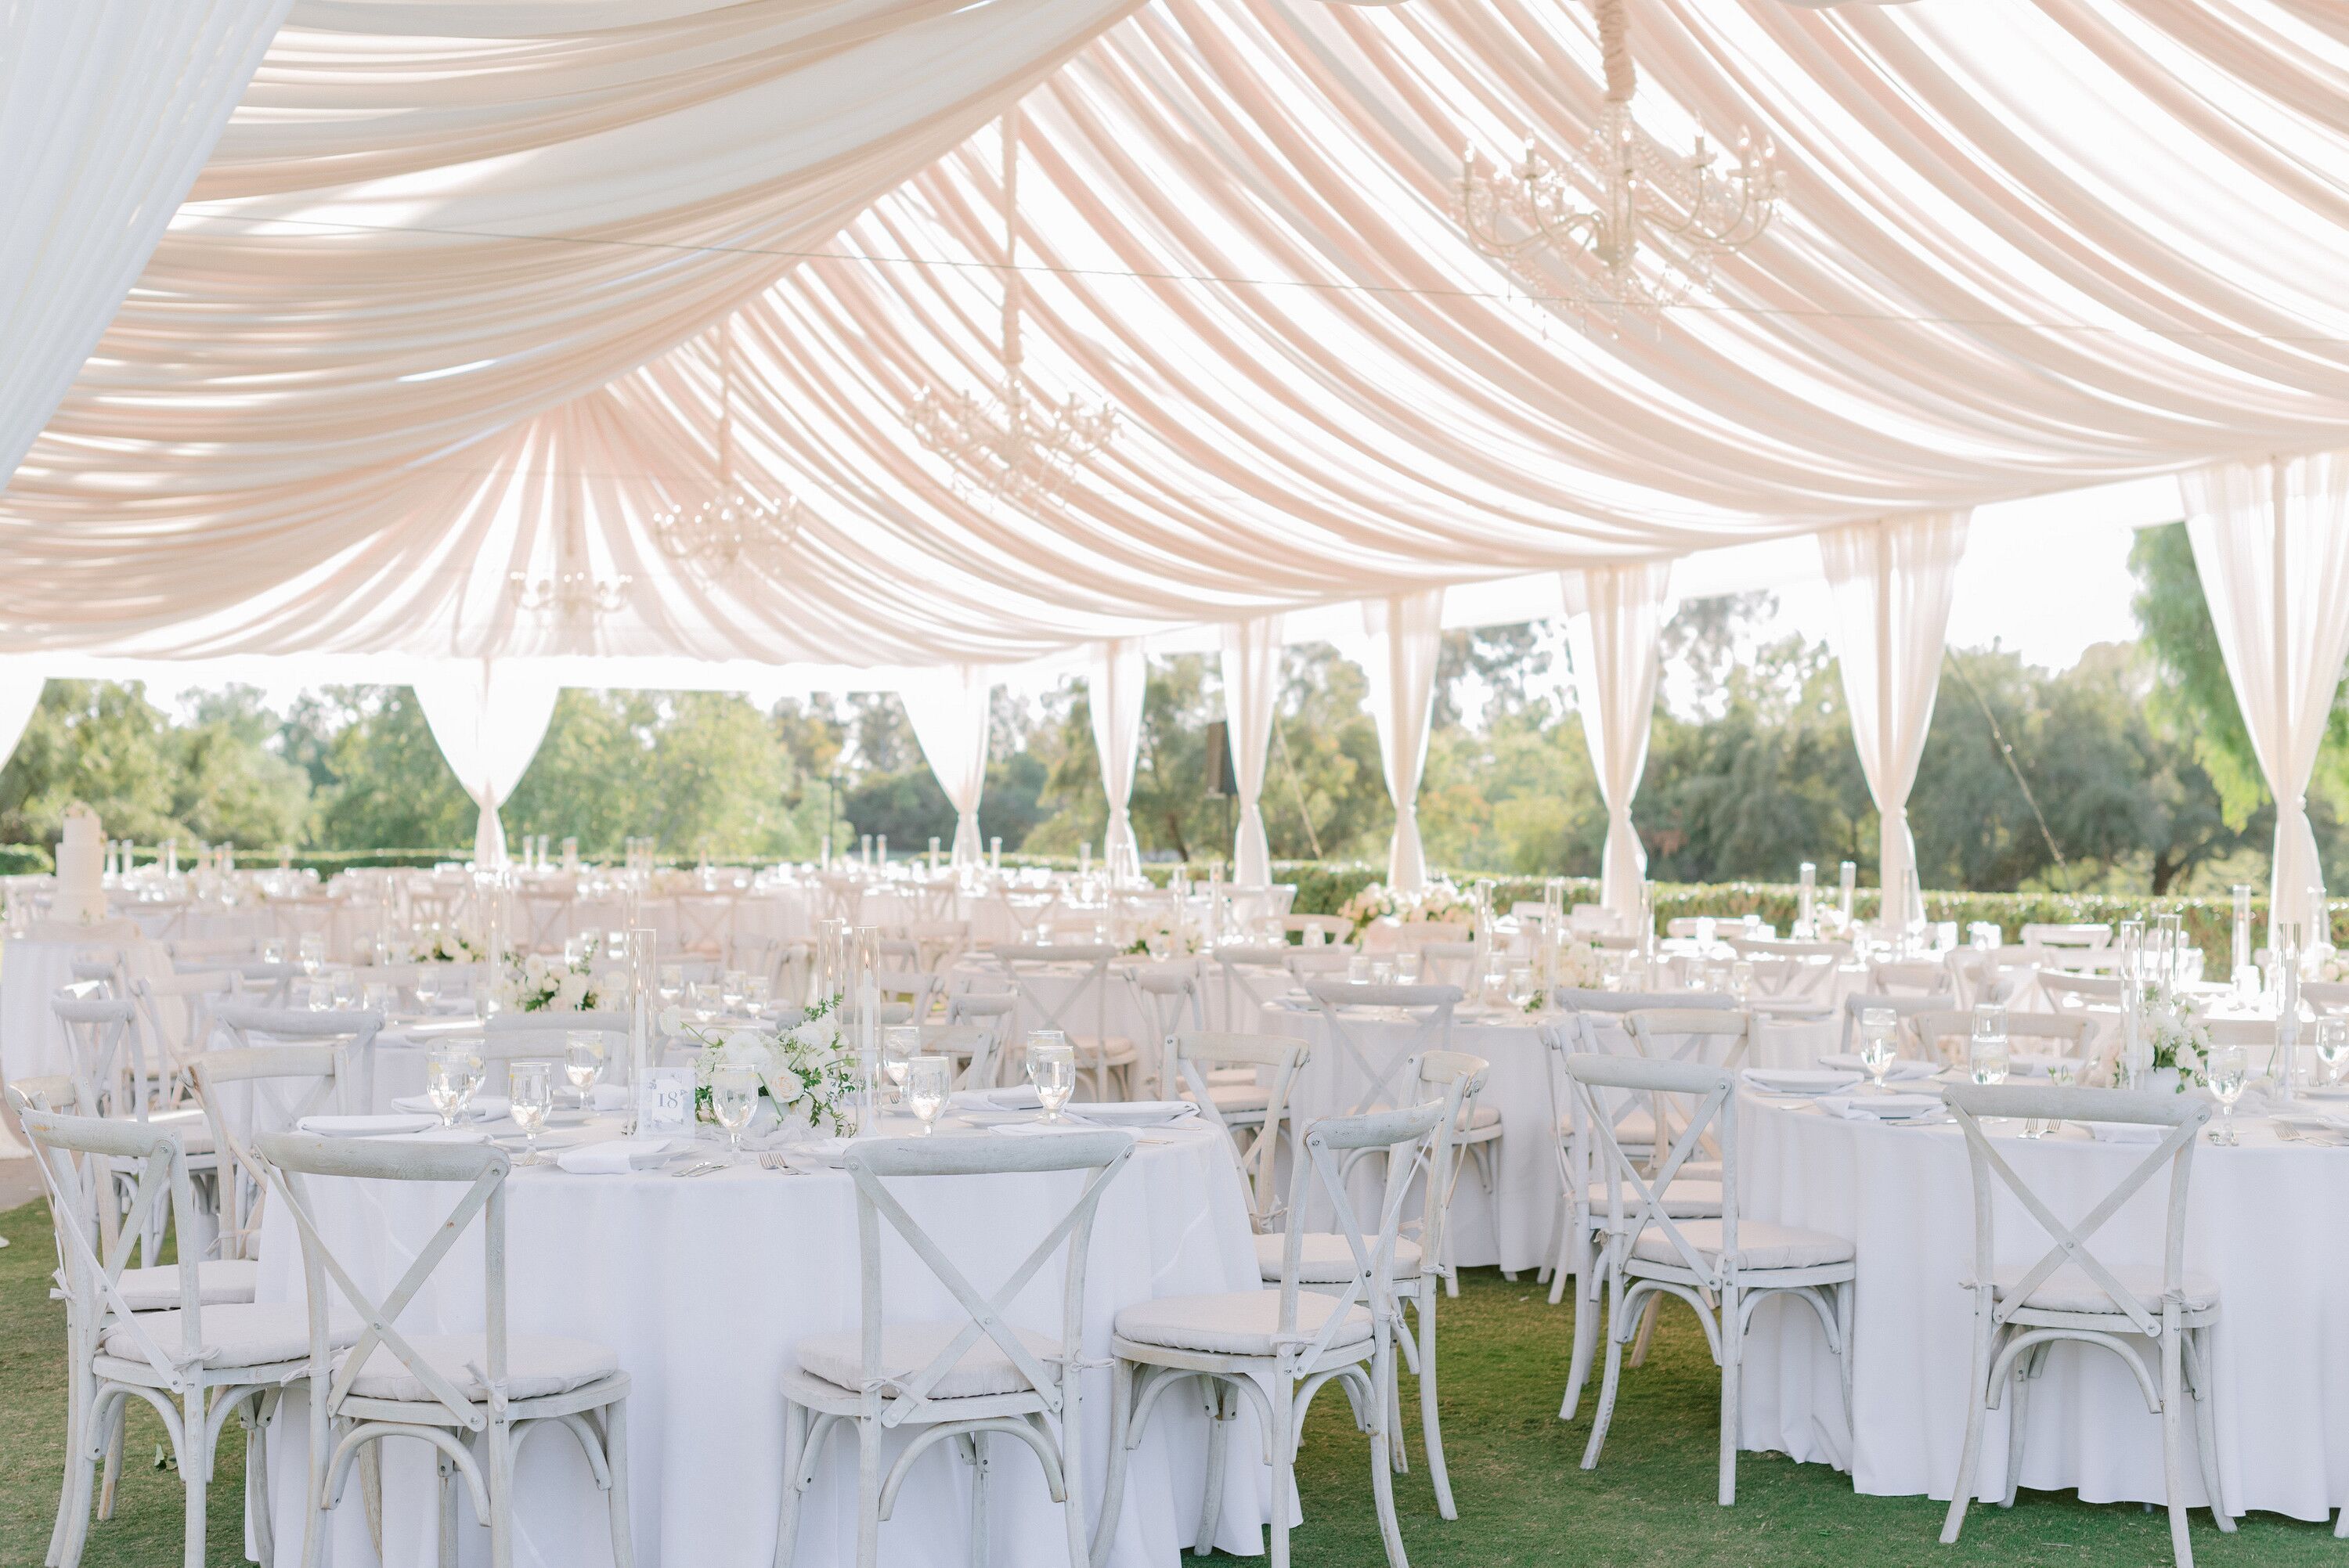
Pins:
x,y
488,716
2023,248
1114,694
1615,615
949,710
1891,581
1405,633
2271,544
107,110
1251,670
20,693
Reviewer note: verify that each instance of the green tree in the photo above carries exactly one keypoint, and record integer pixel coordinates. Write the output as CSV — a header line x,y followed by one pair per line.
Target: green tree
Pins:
x,y
387,786
227,784
98,742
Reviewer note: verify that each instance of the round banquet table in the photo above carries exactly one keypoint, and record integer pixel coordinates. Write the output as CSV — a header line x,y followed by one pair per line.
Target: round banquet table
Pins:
x,y
2263,1221
703,1285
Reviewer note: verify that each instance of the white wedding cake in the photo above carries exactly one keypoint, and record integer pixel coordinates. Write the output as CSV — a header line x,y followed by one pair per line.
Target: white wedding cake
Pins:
x,y
81,871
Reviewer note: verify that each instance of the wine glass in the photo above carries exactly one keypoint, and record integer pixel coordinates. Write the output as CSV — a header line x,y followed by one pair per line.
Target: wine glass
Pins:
x,y
451,1074
311,953
583,1060
1878,1028
900,1044
1406,968
428,986
731,990
343,989
273,951
1357,970
377,997
734,1100
1053,1069
532,1085
1159,945
1986,1054
671,984
1741,981
702,1000
318,996
1383,971
2331,1047
2230,1071
927,1079
1521,985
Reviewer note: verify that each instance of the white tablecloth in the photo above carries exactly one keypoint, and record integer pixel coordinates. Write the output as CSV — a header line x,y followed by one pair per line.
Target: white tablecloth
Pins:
x,y
2264,1221
32,1041
703,1285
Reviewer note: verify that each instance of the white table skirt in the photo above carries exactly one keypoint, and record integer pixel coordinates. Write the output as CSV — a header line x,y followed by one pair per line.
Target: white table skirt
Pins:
x,y
702,1287
2264,1221
32,1041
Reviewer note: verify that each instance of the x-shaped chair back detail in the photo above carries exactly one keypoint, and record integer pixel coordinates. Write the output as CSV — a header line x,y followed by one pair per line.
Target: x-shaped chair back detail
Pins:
x,y
1169,998
1922,977
1031,972
704,922
1710,1091
178,1010
293,1158
246,1092
1426,1008
2071,1029
1253,977
917,987
354,1029
549,919
871,1164
1904,1008
1459,1078
1026,913
2181,1115
107,1054
1193,1056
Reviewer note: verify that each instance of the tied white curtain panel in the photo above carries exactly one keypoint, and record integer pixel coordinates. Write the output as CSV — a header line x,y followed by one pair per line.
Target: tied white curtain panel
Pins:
x,y
950,713
1406,633
1892,581
2272,542
488,717
1615,615
1251,667
20,694
1113,697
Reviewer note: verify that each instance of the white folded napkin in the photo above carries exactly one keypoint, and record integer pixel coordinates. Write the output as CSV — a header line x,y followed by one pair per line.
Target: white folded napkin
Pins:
x,y
1011,1096
613,1156
817,1153
610,1097
1046,1129
1135,1112
438,1134
365,1126
1901,1069
2125,1132
481,1108
1882,1107
1799,1080
2039,1064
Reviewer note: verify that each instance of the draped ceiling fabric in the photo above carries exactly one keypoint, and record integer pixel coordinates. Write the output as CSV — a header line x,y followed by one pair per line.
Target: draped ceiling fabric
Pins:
x,y
1251,670
2272,542
1614,616
2023,248
1892,581
1405,633
20,693
488,717
949,713
1114,697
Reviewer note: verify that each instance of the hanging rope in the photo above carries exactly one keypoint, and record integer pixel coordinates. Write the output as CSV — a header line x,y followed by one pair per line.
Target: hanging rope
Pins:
x,y
1615,49
2063,870
1012,282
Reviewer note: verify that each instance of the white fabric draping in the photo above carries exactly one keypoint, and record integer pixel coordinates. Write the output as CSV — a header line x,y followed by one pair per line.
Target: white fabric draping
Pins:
x,y
1238,216
1406,633
1114,697
949,712
1892,581
488,717
1251,667
2272,542
108,109
1614,617
20,694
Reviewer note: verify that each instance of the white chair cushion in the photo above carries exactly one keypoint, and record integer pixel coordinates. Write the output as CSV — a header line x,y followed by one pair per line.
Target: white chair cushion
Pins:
x,y
1112,1050
907,1347
1242,1322
2069,1289
1682,1200
1481,1117
195,1131
537,1366
218,1284
1235,1097
249,1334
1760,1245
1326,1259
1231,1075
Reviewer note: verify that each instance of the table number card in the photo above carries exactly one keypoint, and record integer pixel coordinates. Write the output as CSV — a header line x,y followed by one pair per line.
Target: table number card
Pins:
x,y
664,1102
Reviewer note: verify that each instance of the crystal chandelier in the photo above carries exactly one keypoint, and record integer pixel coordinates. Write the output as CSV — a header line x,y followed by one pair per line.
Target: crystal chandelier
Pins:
x,y
1012,440
734,522
1637,227
570,596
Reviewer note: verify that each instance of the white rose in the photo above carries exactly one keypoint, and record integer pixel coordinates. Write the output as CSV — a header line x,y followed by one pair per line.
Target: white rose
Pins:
x,y
672,1021
784,1087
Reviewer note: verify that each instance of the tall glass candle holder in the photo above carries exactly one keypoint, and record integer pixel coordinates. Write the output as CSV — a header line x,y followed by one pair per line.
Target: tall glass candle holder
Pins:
x,y
1806,896
1848,881
2282,1071
863,995
2242,973
2136,1057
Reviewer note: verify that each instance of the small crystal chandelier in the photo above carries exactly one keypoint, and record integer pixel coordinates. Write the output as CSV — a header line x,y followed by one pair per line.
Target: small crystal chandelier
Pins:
x,y
733,523
1010,440
1658,223
571,595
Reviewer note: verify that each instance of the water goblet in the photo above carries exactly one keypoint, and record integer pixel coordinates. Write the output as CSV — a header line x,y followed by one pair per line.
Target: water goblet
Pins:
x,y
927,1079
734,1100
2331,1047
1051,1069
1986,1053
378,997
1159,945
900,1044
583,1060
451,1074
427,986
671,984
702,1000
311,953
1878,1028
730,988
1382,972
273,951
531,1084
757,993
1406,968
1521,985
1741,981
1357,970
343,989
2230,1071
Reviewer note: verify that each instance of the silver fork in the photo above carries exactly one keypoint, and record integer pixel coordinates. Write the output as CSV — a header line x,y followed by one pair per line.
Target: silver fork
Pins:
x,y
701,1168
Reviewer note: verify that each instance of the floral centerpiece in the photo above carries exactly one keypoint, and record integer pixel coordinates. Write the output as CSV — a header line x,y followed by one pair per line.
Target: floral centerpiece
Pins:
x,y
1577,962
1178,943
2178,1033
439,945
1438,900
807,1071
535,981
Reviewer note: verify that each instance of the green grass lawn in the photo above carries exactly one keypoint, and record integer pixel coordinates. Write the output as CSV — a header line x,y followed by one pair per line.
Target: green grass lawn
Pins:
x,y
1524,1499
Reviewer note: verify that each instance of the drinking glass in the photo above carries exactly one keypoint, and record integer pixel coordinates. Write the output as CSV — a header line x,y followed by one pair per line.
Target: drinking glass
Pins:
x,y
1521,984
2331,1047
1741,981
583,1060
377,997
532,1085
757,993
1986,1055
927,1079
1159,945
702,1000
1053,1069
428,986
734,1100
273,951
451,1074
312,954
2230,1071
1357,970
345,990
1878,1028
900,1044
672,983
1382,972
318,996
730,988
1406,968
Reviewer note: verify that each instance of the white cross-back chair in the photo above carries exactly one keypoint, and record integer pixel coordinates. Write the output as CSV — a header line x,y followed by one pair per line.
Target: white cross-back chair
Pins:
x,y
1335,929
545,919
2069,993
1273,1350
2070,1293
1253,977
975,1046
2084,936
1168,998
1791,977
1425,1012
915,989
249,1091
1195,1058
1913,977
1101,1056
1030,913
994,1012
963,1379
1306,964
475,1398
1988,974
177,1010
705,922
938,942
198,1363
1722,1267
1576,999
1943,1036
352,1029
1449,963
1903,1009
200,952
115,1078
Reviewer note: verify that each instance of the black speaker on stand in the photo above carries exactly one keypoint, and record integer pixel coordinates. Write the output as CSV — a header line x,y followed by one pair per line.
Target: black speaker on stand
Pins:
x,y
1222,783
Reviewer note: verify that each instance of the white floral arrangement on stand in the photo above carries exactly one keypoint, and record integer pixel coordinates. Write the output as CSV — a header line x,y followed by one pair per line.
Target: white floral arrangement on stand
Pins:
x,y
439,946
1575,962
806,1071
1438,900
2177,1034
535,981
1163,932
